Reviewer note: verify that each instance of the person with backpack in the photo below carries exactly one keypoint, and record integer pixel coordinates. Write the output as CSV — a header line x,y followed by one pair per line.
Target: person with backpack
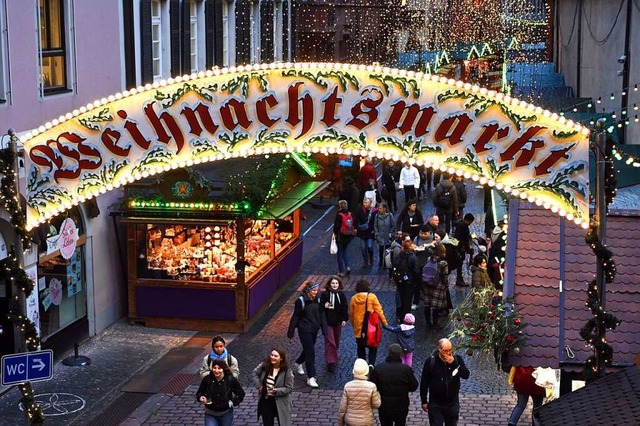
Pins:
x,y
364,223
384,228
440,385
307,319
405,276
343,230
362,305
463,235
219,392
423,248
434,280
445,200
219,351
334,307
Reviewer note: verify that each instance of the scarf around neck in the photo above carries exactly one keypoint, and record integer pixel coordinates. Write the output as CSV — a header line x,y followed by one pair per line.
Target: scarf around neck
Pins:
x,y
223,356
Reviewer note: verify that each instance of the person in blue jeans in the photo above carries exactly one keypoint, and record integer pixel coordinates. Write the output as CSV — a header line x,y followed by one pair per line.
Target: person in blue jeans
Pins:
x,y
307,319
219,392
440,385
343,238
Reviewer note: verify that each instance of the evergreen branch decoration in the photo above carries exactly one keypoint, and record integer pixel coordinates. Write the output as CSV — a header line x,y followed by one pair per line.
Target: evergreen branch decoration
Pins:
x,y
39,198
241,83
558,134
105,176
408,146
487,323
470,161
346,141
233,139
406,86
494,171
157,156
319,78
101,116
10,197
33,183
168,99
202,147
264,137
18,277
483,105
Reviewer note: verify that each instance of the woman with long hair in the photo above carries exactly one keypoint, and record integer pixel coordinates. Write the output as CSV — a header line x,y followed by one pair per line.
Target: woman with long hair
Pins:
x,y
410,219
219,351
334,307
219,392
274,380
361,302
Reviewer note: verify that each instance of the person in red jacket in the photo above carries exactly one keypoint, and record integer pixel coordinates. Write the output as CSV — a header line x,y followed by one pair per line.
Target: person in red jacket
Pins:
x,y
367,172
525,386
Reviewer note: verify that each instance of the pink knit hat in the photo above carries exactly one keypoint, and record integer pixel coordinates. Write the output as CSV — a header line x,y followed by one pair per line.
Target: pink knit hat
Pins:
x,y
409,319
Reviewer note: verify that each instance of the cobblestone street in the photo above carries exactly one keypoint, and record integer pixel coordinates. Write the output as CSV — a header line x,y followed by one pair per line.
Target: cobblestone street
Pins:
x,y
125,357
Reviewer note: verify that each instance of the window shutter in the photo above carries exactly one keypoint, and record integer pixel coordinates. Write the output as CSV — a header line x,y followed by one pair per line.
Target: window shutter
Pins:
x,y
174,25
129,43
210,29
266,31
186,37
146,54
243,32
286,54
218,33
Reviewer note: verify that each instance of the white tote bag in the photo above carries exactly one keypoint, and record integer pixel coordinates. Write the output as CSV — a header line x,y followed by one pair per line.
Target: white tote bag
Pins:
x,y
334,247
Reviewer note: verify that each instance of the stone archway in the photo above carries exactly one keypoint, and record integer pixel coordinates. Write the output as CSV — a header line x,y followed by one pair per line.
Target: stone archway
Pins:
x,y
329,108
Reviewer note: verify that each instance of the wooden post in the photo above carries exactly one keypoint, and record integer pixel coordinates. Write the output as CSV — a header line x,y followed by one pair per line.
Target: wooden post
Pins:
x,y
601,230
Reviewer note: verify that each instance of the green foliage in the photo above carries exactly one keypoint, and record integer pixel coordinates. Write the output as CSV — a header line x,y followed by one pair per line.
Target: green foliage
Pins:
x,y
406,86
90,122
320,78
487,323
168,99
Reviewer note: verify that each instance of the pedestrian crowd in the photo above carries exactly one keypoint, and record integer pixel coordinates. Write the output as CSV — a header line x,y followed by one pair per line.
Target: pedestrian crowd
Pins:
x,y
419,253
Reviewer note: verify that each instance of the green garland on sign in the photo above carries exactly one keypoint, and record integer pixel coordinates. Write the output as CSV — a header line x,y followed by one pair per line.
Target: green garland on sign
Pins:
x,y
18,277
589,332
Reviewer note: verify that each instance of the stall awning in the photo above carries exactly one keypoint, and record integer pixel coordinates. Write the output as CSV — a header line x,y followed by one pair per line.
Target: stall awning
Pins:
x,y
294,198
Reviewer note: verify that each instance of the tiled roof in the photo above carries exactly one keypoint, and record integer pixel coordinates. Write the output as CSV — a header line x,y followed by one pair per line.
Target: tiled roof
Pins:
x,y
550,250
612,400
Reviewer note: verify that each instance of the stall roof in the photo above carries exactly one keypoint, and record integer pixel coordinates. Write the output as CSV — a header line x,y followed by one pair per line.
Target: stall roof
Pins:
x,y
294,198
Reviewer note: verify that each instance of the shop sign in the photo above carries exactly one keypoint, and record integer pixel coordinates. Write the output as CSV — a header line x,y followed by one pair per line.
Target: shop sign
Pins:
x,y
65,240
329,108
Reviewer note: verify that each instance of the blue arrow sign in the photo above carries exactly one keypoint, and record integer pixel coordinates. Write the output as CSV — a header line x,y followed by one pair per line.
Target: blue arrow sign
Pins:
x,y
27,367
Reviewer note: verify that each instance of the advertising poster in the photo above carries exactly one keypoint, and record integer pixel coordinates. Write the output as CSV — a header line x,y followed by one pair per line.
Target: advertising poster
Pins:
x,y
33,310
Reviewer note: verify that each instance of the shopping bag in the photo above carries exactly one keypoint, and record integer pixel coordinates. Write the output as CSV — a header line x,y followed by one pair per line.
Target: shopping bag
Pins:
x,y
334,246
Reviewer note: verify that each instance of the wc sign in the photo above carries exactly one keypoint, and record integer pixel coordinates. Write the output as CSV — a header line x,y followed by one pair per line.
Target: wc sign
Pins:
x,y
27,367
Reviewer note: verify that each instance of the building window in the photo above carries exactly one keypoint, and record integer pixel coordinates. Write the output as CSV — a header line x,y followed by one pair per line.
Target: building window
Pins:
x,y
277,30
156,39
197,35
254,22
53,49
228,33
3,54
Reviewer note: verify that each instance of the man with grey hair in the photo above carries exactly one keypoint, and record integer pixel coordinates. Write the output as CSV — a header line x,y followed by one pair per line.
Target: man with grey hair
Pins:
x,y
440,385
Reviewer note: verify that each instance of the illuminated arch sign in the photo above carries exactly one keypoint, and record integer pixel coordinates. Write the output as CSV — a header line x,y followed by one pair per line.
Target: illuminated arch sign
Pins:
x,y
328,108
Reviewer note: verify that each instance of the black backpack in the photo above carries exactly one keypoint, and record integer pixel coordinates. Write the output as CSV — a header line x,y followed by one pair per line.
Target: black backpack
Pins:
x,y
444,198
401,273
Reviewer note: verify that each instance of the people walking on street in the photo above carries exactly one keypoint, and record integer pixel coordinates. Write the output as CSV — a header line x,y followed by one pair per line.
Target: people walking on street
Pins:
x,y
410,219
344,231
351,194
463,235
219,351
274,380
461,192
440,385
395,381
445,200
359,398
334,307
409,181
307,319
219,392
361,302
364,223
525,386
366,174
390,176
435,297
384,229
406,333
372,193
423,246
406,276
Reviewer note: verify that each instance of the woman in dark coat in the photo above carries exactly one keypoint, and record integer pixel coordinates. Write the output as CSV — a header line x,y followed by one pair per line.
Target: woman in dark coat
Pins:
x,y
219,392
342,239
334,307
410,219
274,380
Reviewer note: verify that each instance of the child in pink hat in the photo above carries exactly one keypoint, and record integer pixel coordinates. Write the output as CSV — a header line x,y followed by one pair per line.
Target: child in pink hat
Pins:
x,y
406,333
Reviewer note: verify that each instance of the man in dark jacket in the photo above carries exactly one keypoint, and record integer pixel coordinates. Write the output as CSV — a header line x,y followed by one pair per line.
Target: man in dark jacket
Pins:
x,y
390,175
440,385
394,381
463,235
445,200
307,319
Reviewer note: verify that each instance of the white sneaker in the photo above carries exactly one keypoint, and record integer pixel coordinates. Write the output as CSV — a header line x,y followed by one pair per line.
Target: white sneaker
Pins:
x,y
414,307
312,382
299,369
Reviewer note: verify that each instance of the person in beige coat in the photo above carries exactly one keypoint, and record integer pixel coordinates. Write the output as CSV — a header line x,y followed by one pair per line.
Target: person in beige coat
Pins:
x,y
359,398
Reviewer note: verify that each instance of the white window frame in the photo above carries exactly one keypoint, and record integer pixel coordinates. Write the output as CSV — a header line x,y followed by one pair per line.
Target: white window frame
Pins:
x,y
256,31
228,33
161,20
197,32
69,48
4,58
278,25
